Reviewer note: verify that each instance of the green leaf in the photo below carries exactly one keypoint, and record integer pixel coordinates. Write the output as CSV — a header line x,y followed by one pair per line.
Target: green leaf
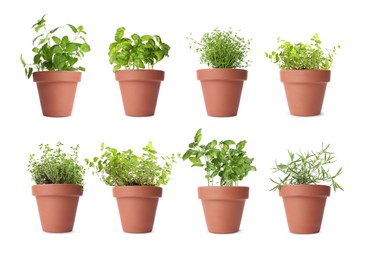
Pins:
x,y
30,71
35,50
54,30
65,40
195,160
73,28
119,33
158,39
139,64
57,40
37,58
198,136
59,61
187,154
240,145
80,28
71,47
85,47
145,38
56,49
22,60
116,67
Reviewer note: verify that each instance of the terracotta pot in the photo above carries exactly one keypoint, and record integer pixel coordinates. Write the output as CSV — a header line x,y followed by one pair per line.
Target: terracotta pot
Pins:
x,y
305,90
57,205
223,207
304,206
56,90
139,90
137,207
222,90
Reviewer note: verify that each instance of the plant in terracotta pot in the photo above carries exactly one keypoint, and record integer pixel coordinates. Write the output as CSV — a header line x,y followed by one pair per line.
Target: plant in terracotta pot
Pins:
x,y
303,197
59,179
136,181
304,73
226,163
139,82
55,68
225,53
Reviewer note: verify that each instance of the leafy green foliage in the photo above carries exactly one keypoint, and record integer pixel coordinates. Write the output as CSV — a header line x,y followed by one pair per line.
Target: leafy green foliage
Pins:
x,y
56,52
303,56
222,49
56,167
138,52
308,168
126,168
226,160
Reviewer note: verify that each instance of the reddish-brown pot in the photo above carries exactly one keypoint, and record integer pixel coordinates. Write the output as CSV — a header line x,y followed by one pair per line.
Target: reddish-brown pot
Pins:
x,y
137,207
305,90
223,207
222,89
57,205
139,90
56,90
304,206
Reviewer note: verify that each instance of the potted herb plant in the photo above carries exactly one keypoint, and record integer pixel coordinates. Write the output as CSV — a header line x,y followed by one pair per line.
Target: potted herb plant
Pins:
x,y
304,73
55,62
59,179
139,82
227,161
225,52
304,198
135,180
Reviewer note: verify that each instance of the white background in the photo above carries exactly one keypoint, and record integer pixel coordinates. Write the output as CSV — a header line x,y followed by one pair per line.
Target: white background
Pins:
x,y
263,120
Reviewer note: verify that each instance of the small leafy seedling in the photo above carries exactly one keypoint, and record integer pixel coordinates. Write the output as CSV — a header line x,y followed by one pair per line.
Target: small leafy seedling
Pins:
x,y
137,52
302,56
222,49
54,52
125,168
225,159
307,168
56,167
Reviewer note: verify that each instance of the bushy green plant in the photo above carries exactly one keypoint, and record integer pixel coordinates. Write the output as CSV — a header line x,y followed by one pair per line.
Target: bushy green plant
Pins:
x,y
226,160
222,49
56,53
302,56
307,168
138,52
125,168
56,167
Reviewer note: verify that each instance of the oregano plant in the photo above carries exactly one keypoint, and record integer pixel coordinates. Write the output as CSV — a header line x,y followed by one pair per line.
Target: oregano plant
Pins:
x,y
308,168
126,168
137,52
56,166
226,160
56,52
222,49
303,56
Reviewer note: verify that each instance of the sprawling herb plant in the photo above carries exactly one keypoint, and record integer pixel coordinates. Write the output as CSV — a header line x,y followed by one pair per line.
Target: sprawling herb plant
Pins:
x,y
308,168
302,56
56,167
225,160
125,168
56,52
222,49
139,52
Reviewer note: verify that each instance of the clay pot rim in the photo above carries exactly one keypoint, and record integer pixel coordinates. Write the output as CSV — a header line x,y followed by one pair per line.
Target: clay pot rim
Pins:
x,y
219,74
136,75
303,190
137,191
57,76
307,70
57,190
223,192
305,76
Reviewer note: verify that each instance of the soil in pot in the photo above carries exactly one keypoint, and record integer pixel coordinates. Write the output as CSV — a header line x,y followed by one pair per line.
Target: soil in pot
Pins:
x,y
223,207
222,89
139,90
137,207
304,206
305,90
57,90
57,205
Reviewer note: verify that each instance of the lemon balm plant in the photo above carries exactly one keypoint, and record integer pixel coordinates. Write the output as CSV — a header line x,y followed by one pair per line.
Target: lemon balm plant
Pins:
x,y
228,162
54,67
305,72
303,196
134,59
225,52
136,181
59,179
